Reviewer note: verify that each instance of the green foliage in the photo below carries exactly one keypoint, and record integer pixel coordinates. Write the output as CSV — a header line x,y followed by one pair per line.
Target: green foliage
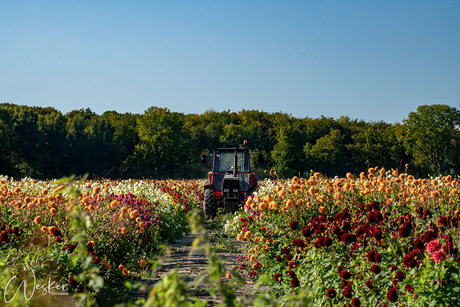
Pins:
x,y
431,133
43,143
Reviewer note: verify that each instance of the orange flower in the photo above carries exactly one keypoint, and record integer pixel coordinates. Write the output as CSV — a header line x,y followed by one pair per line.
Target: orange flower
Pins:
x,y
108,266
247,235
44,229
228,275
142,262
322,209
141,224
252,258
121,267
281,193
239,237
16,191
53,211
38,219
142,230
103,261
350,176
125,271
263,206
44,192
124,230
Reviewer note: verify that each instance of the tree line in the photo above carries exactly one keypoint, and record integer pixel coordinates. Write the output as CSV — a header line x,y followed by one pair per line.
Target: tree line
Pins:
x,y
43,143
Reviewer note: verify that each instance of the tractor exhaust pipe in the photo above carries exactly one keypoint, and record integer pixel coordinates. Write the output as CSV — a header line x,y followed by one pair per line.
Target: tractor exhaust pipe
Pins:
x,y
235,163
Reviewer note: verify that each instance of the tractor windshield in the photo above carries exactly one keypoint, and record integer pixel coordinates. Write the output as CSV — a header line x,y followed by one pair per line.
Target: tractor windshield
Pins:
x,y
224,161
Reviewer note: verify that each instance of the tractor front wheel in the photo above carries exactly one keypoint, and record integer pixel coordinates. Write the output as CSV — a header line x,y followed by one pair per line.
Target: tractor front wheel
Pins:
x,y
209,206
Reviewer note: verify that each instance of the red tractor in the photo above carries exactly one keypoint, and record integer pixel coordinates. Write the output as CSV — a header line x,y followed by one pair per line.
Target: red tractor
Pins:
x,y
230,181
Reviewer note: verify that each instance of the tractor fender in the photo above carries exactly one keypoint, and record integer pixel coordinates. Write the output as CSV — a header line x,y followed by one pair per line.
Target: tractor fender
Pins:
x,y
209,187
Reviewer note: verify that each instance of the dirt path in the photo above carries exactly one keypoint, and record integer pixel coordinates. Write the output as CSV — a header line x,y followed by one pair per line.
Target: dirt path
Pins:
x,y
192,265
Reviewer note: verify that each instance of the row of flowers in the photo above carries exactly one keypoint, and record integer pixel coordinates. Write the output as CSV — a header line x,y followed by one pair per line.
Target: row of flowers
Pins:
x,y
381,239
129,220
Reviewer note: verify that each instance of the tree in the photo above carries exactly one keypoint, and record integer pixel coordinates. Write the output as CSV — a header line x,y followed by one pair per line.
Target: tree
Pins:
x,y
287,153
327,154
430,134
161,135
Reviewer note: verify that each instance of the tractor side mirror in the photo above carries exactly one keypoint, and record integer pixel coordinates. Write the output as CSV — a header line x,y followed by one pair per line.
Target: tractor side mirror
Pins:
x,y
203,159
260,158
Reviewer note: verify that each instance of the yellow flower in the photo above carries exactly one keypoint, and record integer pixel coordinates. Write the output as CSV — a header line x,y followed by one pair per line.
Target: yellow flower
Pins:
x,y
247,235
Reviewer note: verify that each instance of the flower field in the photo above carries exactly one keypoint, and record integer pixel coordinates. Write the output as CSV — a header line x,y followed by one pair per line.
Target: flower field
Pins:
x,y
383,239
53,227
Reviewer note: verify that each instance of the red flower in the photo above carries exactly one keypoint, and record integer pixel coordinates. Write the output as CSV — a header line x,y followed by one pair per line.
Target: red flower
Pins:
x,y
356,302
306,232
442,221
70,248
286,250
345,274
419,244
327,241
409,288
404,232
369,284
439,256
295,282
392,295
279,258
331,293
292,274
294,225
400,276
278,277
375,269
347,293
371,256
378,257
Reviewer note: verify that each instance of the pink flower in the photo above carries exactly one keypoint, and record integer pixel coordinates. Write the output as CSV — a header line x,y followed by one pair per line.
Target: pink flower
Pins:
x,y
433,247
439,256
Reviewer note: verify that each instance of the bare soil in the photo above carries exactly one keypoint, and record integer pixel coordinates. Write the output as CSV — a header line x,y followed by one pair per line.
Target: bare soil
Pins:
x,y
190,265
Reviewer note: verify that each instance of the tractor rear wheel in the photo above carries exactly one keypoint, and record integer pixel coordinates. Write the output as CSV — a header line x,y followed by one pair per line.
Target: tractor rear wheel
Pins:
x,y
209,206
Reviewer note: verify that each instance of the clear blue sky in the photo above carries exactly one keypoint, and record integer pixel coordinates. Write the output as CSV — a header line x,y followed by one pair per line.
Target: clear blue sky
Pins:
x,y
370,60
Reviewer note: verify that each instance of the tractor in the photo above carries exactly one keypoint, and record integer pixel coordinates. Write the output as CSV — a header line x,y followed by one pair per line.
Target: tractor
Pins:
x,y
230,181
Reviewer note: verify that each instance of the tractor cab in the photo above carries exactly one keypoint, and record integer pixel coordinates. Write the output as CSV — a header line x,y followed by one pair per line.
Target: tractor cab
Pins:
x,y
230,180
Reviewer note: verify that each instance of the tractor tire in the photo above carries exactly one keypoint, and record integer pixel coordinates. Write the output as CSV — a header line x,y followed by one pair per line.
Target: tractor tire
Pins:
x,y
209,206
